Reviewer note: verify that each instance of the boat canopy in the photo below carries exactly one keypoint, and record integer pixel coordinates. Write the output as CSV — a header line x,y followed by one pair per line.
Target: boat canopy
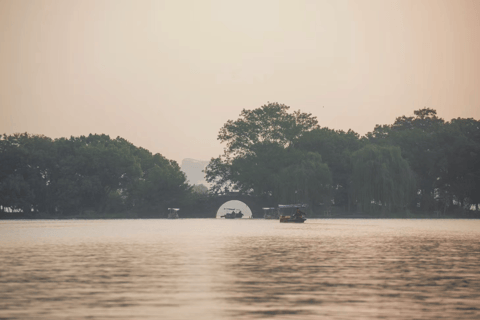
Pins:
x,y
300,205
174,209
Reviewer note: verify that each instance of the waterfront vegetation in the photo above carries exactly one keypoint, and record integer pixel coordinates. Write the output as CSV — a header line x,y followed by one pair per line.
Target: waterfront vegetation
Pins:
x,y
86,176
420,166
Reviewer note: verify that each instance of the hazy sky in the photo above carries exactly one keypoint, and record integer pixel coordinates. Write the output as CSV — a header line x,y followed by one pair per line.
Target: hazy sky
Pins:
x,y
166,75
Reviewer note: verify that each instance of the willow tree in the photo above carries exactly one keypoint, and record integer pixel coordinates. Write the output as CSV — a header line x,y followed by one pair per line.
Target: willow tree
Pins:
x,y
336,148
382,179
307,180
419,140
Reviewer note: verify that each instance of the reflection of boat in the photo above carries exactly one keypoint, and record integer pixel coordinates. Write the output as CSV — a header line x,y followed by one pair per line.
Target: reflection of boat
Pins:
x,y
297,216
173,213
233,214
270,213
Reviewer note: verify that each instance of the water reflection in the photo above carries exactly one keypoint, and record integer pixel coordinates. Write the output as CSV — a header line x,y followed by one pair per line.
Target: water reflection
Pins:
x,y
78,281
219,269
397,277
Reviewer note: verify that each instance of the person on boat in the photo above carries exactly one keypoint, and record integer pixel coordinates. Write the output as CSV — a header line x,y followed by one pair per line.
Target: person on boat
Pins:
x,y
239,214
298,214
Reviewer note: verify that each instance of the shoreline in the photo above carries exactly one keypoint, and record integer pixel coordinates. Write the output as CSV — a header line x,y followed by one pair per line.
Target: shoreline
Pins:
x,y
189,218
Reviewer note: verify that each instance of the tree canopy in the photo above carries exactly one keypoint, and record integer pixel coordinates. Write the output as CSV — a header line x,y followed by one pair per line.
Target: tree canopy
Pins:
x,y
443,156
271,123
85,174
419,162
382,178
336,148
260,157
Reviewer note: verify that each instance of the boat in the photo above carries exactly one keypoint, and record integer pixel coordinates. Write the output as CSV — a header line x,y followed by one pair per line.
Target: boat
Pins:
x,y
233,214
270,213
173,213
297,215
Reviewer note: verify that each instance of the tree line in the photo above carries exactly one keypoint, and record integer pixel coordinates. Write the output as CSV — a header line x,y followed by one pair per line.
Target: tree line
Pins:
x,y
420,163
86,176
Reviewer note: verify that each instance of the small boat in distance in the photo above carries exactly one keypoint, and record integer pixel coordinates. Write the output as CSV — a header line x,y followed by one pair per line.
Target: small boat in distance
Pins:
x,y
297,216
173,213
233,214
270,213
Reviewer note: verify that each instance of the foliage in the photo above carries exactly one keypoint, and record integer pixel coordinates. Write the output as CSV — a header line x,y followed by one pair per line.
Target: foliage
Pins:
x,y
270,123
307,180
335,148
459,177
200,189
85,174
419,163
382,178
261,159
443,155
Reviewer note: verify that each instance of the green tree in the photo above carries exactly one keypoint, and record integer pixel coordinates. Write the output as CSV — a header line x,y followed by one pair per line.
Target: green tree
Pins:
x,y
25,172
381,178
162,184
307,180
91,171
418,139
269,123
335,148
88,173
268,127
260,155
459,178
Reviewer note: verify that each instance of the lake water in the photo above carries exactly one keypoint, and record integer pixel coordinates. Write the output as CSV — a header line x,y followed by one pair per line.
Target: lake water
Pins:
x,y
240,269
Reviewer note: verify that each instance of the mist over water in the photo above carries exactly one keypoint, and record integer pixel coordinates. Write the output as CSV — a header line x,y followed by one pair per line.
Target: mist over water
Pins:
x,y
240,269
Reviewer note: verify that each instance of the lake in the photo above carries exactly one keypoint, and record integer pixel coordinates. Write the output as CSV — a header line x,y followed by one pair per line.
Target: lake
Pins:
x,y
239,269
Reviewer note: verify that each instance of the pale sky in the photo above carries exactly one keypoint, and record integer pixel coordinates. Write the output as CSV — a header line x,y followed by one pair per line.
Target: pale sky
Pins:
x,y
166,75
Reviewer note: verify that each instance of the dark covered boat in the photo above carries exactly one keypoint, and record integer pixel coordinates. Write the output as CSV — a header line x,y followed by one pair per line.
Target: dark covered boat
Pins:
x,y
290,219
233,214
270,213
297,216
173,213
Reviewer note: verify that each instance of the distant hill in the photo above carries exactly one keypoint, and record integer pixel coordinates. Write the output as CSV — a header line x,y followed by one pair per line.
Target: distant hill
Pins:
x,y
193,169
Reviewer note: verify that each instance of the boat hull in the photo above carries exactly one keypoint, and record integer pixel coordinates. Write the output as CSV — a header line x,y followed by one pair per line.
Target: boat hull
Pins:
x,y
288,219
232,215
